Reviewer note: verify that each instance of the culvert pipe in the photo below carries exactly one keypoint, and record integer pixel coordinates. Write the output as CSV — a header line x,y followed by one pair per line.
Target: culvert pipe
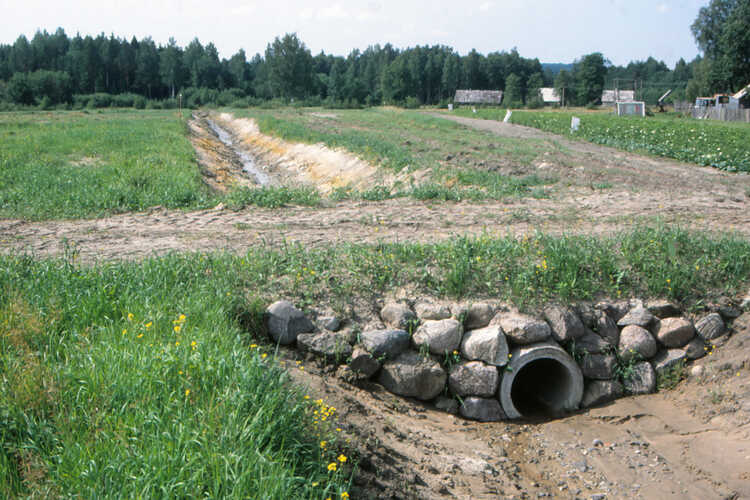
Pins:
x,y
541,380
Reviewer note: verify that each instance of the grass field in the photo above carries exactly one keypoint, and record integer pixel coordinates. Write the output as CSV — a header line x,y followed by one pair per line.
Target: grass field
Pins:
x,y
70,164
723,145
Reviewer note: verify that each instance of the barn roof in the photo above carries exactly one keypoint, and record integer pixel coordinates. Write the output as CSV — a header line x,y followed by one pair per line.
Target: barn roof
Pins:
x,y
478,96
742,93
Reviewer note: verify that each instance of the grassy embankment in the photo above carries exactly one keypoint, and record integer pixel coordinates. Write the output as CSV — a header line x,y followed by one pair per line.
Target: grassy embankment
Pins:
x,y
461,163
723,145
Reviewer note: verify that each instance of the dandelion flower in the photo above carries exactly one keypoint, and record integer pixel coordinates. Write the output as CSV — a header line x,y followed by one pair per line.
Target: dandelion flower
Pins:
x,y
179,372
332,467
181,318
187,392
140,335
193,343
345,495
342,458
307,397
323,444
130,316
177,328
125,331
253,346
315,484
264,355
148,325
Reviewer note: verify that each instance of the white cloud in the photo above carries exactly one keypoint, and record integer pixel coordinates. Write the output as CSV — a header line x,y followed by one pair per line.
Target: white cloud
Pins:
x,y
486,6
335,11
662,8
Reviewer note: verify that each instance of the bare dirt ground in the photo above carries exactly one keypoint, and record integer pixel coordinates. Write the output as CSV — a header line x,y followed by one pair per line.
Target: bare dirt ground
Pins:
x,y
692,442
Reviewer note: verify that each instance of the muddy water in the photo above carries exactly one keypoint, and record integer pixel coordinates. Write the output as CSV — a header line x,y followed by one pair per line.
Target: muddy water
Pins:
x,y
248,163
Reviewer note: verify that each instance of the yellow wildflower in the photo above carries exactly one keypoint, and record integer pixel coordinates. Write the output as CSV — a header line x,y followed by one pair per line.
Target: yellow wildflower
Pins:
x,y
130,316
148,325
140,335
323,444
264,355
332,467
177,328
342,458
125,331
345,495
187,392
253,346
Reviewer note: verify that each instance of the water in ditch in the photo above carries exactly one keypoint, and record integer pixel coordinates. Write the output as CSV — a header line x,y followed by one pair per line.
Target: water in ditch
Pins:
x,y
248,163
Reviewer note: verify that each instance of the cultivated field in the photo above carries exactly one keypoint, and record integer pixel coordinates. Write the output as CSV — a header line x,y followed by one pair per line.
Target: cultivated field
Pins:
x,y
137,259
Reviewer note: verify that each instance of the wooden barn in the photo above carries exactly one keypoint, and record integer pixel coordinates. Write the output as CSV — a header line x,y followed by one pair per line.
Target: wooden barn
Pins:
x,y
478,97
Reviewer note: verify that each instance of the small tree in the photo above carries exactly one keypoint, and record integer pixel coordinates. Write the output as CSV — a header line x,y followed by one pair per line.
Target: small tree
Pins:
x,y
589,75
534,93
513,95
564,87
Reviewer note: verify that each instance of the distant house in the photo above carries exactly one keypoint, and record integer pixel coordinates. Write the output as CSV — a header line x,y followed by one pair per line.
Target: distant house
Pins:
x,y
549,95
614,96
478,97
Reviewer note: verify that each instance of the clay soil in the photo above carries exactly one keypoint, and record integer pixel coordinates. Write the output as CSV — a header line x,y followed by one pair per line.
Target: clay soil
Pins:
x,y
690,442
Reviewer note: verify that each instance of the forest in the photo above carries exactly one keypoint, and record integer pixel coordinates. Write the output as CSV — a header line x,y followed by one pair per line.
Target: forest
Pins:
x,y
55,70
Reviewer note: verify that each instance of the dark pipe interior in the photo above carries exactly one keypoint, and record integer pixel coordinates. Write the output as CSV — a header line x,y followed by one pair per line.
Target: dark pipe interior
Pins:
x,y
541,388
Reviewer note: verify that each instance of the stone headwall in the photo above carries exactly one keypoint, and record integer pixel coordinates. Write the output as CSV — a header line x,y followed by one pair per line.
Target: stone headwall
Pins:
x,y
457,355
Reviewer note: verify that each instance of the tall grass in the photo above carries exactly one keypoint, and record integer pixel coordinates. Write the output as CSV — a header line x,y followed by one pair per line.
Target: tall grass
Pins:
x,y
137,381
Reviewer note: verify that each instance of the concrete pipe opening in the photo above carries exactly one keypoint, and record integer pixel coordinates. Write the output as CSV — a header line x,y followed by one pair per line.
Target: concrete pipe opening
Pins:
x,y
543,380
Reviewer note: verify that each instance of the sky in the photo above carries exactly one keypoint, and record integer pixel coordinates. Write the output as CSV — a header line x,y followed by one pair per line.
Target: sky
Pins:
x,y
550,30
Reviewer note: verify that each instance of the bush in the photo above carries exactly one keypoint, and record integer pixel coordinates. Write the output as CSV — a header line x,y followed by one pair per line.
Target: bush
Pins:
x,y
411,103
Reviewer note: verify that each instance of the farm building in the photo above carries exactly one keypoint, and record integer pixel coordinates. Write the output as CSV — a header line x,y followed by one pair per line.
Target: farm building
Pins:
x,y
478,97
549,95
613,96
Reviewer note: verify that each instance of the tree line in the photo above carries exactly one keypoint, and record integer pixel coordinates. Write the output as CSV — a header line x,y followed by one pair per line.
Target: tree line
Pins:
x,y
53,69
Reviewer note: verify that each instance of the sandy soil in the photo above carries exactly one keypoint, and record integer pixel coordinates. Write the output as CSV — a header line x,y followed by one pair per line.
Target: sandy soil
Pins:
x,y
692,442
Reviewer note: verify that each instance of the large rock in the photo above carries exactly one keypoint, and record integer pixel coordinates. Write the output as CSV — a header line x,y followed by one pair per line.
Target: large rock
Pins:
x,y
522,329
478,315
666,359
696,348
598,392
412,375
591,343
638,316
363,363
662,308
711,327
598,366
385,343
430,311
606,328
329,345
474,378
636,341
674,332
285,322
564,323
640,379
481,409
619,309
397,316
486,344
443,336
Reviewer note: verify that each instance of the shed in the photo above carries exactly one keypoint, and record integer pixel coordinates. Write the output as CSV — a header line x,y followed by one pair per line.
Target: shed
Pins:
x,y
613,96
743,96
478,97
549,95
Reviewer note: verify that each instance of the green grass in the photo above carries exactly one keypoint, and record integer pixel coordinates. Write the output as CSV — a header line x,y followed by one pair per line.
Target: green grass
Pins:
x,y
101,397
94,376
70,164
723,145
461,163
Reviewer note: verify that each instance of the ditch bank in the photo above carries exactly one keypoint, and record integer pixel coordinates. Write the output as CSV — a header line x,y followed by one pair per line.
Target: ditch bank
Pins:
x,y
488,362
